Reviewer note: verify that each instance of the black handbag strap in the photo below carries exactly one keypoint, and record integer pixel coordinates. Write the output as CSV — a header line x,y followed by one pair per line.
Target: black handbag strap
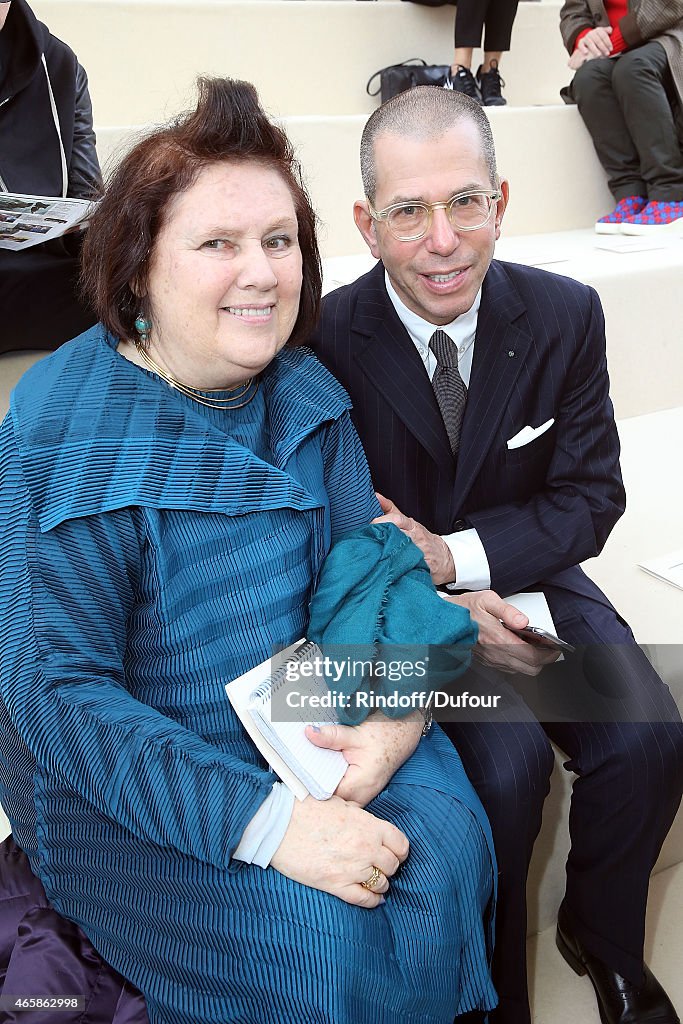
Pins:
x,y
411,60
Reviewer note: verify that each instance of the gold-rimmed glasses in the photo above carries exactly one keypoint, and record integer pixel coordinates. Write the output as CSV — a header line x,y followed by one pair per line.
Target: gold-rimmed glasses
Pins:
x,y
466,211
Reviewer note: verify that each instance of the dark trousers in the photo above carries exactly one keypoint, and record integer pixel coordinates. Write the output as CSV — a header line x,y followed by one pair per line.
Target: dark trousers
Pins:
x,y
629,106
497,16
40,306
625,797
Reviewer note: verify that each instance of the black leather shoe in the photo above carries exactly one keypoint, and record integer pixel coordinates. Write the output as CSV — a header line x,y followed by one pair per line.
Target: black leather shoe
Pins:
x,y
619,1002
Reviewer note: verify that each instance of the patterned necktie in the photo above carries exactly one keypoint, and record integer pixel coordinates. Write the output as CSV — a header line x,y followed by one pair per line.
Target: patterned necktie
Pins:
x,y
449,387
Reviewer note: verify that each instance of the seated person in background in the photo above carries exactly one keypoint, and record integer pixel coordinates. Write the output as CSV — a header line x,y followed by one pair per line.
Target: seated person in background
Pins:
x,y
493,18
47,147
161,528
628,86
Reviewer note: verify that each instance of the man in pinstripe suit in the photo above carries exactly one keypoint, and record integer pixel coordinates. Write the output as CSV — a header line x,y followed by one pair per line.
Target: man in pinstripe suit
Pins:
x,y
507,476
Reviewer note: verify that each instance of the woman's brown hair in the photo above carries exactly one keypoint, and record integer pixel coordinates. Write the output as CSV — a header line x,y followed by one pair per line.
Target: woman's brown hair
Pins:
x,y
228,124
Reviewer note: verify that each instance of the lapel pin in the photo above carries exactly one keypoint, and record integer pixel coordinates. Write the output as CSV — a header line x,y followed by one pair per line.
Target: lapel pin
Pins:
x,y
511,353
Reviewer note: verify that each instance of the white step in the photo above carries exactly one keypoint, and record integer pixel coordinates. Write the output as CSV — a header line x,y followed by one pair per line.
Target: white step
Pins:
x,y
650,527
142,56
556,181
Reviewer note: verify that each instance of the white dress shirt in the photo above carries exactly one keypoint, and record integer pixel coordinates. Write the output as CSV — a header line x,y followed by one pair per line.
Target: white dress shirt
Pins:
x,y
472,571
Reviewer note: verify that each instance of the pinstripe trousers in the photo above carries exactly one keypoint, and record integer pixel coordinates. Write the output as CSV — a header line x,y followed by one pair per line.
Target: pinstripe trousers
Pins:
x,y
629,778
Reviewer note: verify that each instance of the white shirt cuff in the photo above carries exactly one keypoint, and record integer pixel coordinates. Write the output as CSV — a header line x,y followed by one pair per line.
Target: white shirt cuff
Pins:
x,y
267,828
472,570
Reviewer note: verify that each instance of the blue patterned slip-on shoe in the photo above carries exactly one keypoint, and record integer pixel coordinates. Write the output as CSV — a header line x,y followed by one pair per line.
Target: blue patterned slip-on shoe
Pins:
x,y
628,207
656,218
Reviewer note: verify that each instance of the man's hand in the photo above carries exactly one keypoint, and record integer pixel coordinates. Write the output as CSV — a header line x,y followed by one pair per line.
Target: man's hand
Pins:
x,y
497,646
375,750
576,60
436,552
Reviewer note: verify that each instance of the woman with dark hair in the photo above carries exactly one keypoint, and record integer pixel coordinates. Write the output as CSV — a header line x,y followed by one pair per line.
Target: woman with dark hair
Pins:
x,y
171,482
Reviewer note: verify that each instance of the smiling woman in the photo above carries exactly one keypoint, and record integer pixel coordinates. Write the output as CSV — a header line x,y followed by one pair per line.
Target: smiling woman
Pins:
x,y
170,485
223,299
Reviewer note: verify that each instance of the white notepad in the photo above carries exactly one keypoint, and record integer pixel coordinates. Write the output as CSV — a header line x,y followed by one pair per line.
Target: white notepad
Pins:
x,y
668,568
534,605
303,767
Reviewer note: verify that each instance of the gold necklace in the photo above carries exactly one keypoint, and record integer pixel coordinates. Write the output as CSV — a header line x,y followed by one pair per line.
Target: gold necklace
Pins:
x,y
203,396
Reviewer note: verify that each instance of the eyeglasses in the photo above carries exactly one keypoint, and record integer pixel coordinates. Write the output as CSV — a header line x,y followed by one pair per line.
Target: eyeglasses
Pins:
x,y
466,212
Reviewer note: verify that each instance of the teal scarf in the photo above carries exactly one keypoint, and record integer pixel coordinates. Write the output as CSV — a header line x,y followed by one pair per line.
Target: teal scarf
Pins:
x,y
376,603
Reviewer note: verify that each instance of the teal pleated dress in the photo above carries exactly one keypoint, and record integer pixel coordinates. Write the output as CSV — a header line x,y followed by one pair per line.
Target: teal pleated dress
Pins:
x,y
151,550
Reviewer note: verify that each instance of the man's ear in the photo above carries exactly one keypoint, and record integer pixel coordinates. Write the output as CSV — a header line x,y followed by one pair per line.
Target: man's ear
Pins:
x,y
501,206
367,226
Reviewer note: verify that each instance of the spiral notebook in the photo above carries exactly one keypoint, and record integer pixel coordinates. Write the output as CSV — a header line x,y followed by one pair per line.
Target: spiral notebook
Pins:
x,y
303,767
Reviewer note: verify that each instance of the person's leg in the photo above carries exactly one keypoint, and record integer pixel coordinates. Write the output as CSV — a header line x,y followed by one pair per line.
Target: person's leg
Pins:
x,y
491,59
601,111
500,18
40,305
499,21
643,88
509,760
462,58
469,25
630,778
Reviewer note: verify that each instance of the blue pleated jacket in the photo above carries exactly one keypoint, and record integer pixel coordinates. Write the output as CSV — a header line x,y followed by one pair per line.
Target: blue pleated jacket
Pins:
x,y
146,558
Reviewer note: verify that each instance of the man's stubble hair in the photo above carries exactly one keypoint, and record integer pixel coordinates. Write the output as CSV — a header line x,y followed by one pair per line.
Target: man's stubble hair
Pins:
x,y
426,112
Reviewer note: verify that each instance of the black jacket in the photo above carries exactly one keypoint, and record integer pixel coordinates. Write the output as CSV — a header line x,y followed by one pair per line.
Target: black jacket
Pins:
x,y
47,142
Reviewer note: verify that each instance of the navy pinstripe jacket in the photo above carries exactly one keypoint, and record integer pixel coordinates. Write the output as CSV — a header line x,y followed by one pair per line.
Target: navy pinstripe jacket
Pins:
x,y
539,355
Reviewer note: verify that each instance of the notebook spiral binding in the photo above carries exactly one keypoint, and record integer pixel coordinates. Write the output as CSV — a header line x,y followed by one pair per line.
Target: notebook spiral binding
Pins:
x,y
271,685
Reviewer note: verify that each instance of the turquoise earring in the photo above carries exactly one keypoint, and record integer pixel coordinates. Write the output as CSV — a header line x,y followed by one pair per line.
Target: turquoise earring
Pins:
x,y
143,326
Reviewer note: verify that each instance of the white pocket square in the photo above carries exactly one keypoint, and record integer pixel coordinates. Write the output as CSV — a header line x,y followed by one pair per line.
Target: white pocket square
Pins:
x,y
528,434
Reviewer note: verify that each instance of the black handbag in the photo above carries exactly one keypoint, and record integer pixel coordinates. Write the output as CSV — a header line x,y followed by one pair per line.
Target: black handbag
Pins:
x,y
400,77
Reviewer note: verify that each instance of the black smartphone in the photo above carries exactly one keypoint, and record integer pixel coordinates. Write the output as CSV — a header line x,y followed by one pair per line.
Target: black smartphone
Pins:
x,y
536,635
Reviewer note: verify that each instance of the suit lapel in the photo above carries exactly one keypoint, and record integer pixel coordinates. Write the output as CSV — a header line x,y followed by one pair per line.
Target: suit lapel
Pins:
x,y
389,359
500,351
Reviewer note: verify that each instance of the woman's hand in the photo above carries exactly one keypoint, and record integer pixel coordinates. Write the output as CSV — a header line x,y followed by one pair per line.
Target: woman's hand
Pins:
x,y
334,845
375,751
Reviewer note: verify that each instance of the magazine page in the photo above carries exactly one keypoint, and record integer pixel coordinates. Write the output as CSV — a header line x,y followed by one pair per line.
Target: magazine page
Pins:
x,y
30,220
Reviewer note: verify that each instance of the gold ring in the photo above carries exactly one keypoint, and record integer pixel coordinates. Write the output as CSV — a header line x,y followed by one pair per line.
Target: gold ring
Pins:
x,y
374,878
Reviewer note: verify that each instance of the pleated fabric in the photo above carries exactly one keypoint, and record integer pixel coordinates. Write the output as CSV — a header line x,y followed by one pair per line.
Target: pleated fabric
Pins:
x,y
151,550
